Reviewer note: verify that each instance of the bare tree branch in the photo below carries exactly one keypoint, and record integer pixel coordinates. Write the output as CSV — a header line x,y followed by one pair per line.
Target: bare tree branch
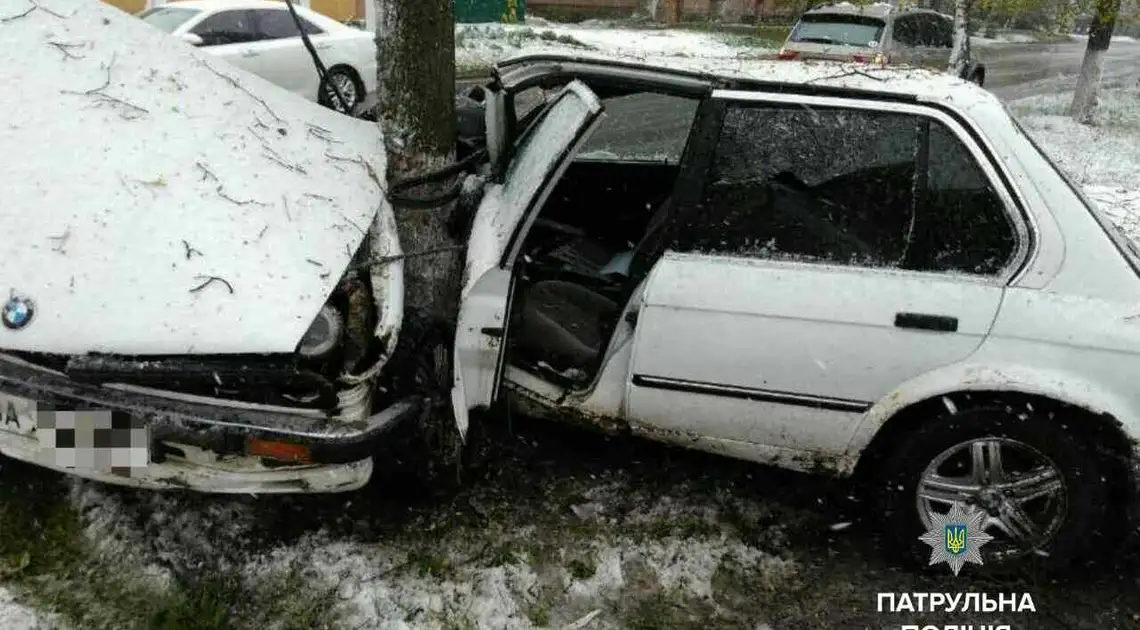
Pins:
x,y
208,280
234,82
63,48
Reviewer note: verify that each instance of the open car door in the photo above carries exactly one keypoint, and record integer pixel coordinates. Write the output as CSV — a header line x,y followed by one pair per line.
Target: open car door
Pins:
x,y
505,215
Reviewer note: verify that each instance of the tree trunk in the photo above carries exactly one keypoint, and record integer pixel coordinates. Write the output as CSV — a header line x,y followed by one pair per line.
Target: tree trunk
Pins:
x,y
1088,84
960,53
715,10
416,49
653,9
416,90
672,11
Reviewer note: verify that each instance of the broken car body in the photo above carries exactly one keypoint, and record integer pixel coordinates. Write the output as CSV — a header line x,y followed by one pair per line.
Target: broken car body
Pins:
x,y
190,253
869,273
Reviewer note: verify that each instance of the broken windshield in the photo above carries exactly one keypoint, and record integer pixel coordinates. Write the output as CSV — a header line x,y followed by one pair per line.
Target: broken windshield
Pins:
x,y
843,30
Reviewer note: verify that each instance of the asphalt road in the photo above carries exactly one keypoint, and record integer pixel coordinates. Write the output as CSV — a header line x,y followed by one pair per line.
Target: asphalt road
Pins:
x,y
1018,71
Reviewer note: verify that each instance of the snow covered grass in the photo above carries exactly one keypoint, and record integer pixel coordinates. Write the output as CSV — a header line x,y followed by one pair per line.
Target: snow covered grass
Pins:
x,y
478,46
1103,158
555,529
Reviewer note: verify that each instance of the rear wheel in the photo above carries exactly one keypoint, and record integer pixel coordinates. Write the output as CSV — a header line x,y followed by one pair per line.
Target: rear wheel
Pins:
x,y
349,85
1038,488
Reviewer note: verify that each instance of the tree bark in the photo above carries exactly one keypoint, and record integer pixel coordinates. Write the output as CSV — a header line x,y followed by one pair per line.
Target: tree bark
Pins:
x,y
416,51
1088,84
672,11
960,53
416,90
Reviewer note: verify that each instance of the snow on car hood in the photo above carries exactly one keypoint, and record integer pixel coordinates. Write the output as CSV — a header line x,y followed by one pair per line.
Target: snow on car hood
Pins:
x,y
157,200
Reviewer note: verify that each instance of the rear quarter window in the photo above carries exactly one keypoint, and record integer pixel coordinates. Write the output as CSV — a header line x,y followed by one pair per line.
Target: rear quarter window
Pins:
x,y
841,30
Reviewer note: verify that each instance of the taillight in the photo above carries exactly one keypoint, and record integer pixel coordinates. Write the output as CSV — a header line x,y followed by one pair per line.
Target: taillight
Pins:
x,y
878,59
787,54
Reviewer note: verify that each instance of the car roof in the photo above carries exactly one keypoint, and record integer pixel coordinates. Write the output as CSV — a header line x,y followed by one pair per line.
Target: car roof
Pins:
x,y
323,21
857,80
212,5
878,9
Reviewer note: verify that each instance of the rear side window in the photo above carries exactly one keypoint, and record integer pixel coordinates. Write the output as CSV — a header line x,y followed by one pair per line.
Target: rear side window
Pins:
x,y
943,32
279,24
837,29
906,31
226,27
645,127
167,18
849,187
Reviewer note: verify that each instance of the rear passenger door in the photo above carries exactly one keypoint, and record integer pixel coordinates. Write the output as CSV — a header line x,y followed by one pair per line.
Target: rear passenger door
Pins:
x,y
841,248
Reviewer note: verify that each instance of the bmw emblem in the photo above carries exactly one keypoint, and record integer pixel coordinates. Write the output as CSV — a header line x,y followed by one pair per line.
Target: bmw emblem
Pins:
x,y
17,312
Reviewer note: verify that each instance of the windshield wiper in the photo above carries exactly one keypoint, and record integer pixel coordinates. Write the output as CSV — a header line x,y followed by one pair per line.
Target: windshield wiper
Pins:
x,y
816,40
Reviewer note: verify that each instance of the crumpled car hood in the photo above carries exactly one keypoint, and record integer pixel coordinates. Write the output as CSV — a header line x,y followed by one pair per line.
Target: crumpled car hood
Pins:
x,y
157,200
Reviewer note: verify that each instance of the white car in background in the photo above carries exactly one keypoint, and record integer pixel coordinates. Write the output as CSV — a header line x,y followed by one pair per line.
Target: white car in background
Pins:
x,y
260,36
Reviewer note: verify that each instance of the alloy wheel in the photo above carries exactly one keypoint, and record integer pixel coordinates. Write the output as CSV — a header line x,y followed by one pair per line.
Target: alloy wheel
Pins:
x,y
347,88
1021,491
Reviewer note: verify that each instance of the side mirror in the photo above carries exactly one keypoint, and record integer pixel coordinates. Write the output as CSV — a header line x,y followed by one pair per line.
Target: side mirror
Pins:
x,y
192,39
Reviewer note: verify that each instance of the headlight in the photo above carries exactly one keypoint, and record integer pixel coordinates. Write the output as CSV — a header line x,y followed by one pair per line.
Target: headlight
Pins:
x,y
323,336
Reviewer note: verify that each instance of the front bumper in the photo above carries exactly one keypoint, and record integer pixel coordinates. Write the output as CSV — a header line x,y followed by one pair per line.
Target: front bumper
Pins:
x,y
209,440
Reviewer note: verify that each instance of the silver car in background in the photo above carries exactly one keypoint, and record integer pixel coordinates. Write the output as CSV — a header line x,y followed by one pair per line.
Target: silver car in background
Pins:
x,y
877,34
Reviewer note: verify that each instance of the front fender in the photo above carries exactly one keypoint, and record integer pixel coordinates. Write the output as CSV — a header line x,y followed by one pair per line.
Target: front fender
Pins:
x,y
1059,385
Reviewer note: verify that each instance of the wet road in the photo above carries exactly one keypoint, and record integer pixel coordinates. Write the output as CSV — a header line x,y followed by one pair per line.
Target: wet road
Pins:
x,y
1018,71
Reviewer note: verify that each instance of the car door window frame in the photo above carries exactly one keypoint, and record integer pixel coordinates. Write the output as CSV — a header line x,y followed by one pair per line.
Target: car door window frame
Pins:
x,y
253,32
996,174
550,178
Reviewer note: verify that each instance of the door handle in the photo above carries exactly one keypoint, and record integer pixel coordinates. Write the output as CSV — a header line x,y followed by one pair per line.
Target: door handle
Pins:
x,y
323,46
923,321
249,53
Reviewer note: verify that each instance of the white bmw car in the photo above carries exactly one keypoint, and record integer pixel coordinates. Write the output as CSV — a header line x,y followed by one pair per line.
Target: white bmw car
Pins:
x,y
869,274
261,36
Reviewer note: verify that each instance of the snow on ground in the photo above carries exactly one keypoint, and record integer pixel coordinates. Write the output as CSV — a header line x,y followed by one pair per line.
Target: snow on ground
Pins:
x,y
16,616
1116,38
1104,158
484,44
1003,38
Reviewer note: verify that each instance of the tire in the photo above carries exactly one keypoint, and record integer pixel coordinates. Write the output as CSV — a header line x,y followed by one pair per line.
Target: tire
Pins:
x,y
1067,521
352,88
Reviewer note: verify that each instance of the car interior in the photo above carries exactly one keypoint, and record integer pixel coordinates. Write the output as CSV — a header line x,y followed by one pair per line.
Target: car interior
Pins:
x,y
588,249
